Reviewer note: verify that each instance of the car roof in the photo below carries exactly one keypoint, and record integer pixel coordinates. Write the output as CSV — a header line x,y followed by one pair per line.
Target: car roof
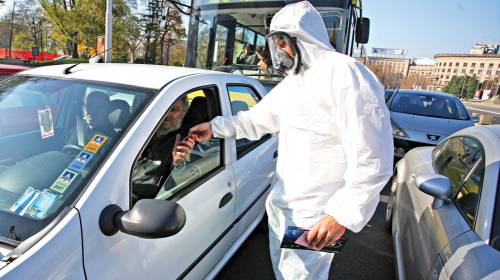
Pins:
x,y
140,75
414,91
13,67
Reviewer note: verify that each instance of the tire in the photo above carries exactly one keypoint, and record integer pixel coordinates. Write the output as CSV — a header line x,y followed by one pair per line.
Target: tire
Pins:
x,y
389,212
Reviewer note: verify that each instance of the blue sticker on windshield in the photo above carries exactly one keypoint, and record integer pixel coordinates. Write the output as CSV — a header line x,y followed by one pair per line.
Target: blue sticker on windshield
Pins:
x,y
64,181
42,205
26,200
81,161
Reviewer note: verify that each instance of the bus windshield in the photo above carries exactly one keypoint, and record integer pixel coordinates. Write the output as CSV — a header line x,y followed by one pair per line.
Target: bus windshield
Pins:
x,y
223,34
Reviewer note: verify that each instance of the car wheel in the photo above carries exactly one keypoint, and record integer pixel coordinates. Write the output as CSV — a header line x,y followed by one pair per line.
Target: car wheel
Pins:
x,y
390,204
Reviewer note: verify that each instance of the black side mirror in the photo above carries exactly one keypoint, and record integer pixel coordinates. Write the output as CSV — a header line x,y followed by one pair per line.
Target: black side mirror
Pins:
x,y
435,185
149,218
362,30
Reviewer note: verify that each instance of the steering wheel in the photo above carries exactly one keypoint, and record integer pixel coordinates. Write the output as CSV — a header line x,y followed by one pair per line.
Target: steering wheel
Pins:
x,y
71,149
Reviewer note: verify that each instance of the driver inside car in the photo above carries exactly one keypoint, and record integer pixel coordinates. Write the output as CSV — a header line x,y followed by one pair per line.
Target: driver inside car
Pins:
x,y
165,151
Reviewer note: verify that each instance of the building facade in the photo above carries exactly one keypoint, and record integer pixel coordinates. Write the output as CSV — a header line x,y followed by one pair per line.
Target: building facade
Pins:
x,y
482,66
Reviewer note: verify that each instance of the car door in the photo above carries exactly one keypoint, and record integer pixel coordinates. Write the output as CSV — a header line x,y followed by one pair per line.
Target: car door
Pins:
x,y
254,162
427,230
205,193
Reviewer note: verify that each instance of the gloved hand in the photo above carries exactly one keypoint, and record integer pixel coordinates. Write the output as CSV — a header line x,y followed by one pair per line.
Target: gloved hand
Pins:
x,y
325,232
201,132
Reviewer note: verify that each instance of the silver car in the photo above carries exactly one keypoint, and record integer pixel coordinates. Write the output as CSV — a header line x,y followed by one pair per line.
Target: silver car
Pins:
x,y
422,118
444,208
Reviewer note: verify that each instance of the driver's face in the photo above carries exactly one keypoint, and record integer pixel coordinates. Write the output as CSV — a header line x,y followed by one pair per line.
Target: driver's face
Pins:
x,y
174,116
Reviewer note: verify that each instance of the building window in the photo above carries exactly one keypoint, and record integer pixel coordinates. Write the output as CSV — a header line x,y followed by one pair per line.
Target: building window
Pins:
x,y
480,72
456,64
488,72
449,63
473,65
463,71
442,76
449,70
455,71
490,66
498,73
465,64
481,65
471,72
447,77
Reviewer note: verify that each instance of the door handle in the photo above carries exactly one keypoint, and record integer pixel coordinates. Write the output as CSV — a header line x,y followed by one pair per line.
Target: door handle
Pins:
x,y
225,199
275,155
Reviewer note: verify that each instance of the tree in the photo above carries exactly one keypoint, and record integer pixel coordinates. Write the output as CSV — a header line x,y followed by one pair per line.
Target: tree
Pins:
x,y
82,21
462,86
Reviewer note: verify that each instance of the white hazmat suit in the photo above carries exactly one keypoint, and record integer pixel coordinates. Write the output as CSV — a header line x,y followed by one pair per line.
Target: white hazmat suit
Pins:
x,y
335,142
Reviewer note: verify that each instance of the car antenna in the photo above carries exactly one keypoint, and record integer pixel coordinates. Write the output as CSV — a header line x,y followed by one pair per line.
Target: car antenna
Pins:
x,y
67,70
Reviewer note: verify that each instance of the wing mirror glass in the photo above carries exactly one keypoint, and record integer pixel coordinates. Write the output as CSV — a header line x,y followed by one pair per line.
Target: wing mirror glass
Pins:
x,y
362,30
435,185
149,218
475,119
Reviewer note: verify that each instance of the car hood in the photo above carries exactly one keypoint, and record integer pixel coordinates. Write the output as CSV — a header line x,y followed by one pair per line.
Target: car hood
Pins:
x,y
429,124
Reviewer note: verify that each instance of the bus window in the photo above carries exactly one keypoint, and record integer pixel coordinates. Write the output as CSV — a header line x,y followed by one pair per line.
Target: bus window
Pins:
x,y
220,46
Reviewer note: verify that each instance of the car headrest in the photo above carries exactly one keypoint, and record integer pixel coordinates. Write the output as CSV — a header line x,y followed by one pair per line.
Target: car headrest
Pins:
x,y
119,113
197,112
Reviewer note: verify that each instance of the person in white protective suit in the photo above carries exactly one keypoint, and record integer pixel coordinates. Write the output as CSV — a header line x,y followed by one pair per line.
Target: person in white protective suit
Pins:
x,y
335,140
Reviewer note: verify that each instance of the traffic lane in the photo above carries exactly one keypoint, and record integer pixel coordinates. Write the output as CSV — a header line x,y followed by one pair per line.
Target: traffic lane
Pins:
x,y
366,255
485,109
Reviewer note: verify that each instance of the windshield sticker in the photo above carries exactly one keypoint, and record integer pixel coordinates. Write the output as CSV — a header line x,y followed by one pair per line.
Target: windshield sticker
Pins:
x,y
29,196
64,181
42,205
46,123
81,161
95,143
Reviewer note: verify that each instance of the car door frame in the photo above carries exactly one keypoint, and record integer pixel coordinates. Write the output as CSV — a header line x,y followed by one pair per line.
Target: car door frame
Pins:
x,y
105,189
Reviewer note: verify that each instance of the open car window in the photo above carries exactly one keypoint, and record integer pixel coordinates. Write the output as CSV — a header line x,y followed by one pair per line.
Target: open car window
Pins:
x,y
154,174
59,132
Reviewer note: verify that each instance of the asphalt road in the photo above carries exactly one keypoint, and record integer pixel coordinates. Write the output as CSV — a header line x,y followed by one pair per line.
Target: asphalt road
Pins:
x,y
366,255
485,109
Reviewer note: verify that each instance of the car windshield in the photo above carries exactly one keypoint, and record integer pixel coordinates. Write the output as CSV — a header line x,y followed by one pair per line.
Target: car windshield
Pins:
x,y
431,105
54,134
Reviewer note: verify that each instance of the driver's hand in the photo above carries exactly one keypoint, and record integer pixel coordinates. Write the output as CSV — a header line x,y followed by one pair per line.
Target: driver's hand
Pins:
x,y
182,149
201,132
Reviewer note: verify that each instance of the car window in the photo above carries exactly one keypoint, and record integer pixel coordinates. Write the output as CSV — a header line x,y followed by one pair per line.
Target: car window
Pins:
x,y
428,105
59,131
154,174
495,233
243,98
461,159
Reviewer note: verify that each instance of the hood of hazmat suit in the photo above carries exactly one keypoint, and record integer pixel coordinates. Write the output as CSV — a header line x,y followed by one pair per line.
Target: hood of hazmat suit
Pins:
x,y
335,141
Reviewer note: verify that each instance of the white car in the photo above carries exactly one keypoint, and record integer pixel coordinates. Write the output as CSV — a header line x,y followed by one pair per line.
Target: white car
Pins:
x,y
77,198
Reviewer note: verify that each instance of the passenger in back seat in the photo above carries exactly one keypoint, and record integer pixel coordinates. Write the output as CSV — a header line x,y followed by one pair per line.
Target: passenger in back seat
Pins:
x,y
96,109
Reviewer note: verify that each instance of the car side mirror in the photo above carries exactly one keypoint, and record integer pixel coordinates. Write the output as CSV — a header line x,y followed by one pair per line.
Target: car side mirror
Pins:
x,y
149,218
362,30
435,185
475,119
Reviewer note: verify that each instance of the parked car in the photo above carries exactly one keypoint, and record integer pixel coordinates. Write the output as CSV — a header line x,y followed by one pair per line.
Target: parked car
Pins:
x,y
389,92
421,118
444,211
70,209
8,69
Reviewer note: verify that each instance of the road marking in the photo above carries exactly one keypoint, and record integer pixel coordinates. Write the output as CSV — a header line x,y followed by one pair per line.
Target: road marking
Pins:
x,y
384,198
474,109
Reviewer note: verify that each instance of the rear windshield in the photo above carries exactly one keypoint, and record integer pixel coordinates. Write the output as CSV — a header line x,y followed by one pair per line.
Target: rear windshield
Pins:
x,y
430,105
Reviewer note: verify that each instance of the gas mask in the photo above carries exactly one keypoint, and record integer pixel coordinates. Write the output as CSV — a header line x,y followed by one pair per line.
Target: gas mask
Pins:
x,y
281,47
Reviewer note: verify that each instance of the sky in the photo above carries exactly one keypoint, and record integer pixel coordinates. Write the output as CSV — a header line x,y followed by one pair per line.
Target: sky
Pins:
x,y
428,27
425,27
